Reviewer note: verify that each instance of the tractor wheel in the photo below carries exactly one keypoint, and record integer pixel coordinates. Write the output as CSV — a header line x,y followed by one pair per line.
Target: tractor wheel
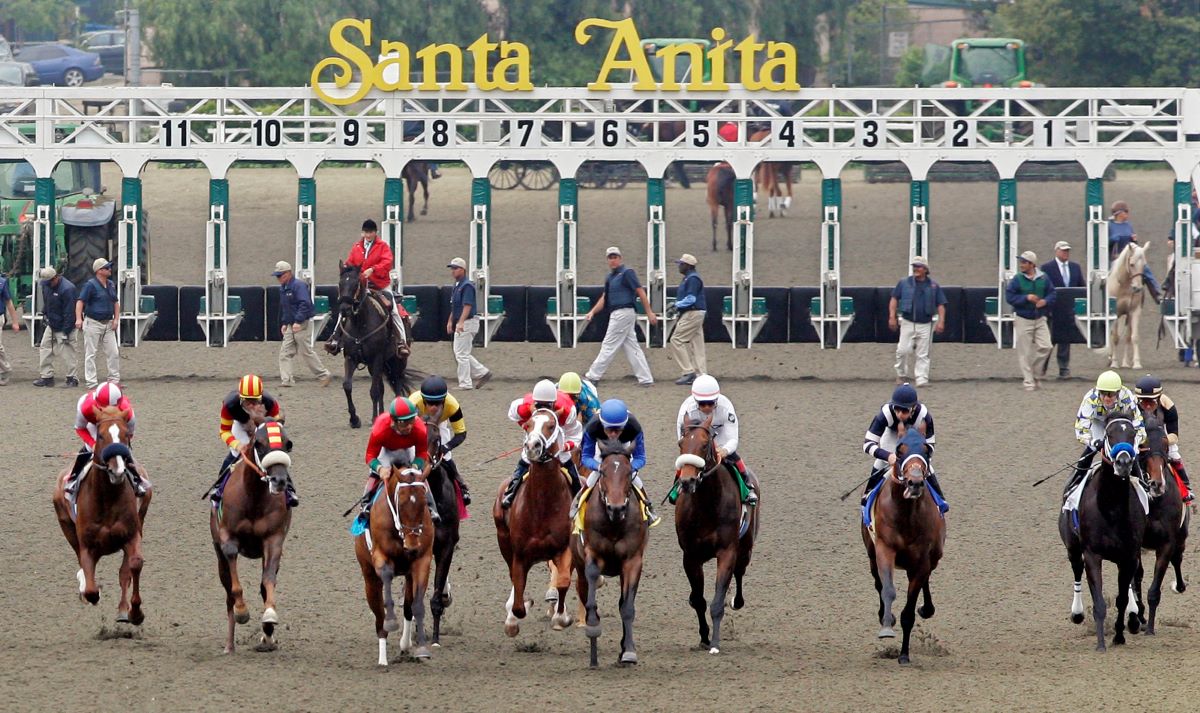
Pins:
x,y
84,245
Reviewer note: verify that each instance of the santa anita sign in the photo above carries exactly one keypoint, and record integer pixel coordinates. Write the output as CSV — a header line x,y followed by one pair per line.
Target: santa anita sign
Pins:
x,y
626,56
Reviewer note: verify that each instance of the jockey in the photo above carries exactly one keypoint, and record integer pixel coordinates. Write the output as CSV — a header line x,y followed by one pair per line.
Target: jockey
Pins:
x,y
546,395
615,423
1107,397
434,400
582,393
374,258
706,398
237,424
1151,399
884,434
398,438
103,396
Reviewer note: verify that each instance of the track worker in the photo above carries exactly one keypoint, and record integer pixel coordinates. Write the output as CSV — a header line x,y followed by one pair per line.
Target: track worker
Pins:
x,y
296,312
6,306
916,302
621,289
463,325
1032,297
60,336
374,258
96,313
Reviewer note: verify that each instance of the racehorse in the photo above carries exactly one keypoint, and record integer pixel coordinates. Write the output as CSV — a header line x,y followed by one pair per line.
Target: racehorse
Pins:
x,y
108,515
364,330
710,522
445,538
537,526
906,531
398,542
252,520
1109,525
612,542
719,194
416,173
1126,282
1166,527
767,175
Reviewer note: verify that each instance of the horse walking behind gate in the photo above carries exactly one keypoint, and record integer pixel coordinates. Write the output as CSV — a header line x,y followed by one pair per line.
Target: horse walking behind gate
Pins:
x,y
719,194
364,330
416,173
611,542
1166,527
252,520
906,530
711,522
398,542
537,526
445,538
107,516
1109,524
1126,282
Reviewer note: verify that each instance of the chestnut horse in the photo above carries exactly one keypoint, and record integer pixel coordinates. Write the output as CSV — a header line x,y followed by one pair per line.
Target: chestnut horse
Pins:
x,y
252,520
446,535
537,526
613,542
906,531
109,516
710,521
719,194
767,175
398,542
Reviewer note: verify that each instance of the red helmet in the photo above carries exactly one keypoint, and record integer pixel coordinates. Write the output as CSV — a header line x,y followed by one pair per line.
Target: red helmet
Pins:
x,y
106,395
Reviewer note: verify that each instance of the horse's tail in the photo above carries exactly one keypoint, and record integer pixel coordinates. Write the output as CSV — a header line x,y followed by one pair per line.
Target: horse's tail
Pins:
x,y
404,378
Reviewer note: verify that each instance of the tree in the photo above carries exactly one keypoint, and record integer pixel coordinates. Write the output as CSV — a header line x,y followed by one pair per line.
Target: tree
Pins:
x,y
38,19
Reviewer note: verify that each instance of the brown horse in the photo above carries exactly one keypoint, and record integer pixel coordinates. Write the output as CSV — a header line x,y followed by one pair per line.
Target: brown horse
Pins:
x,y
612,543
109,516
710,521
537,527
767,177
719,194
398,542
252,520
416,173
907,531
446,533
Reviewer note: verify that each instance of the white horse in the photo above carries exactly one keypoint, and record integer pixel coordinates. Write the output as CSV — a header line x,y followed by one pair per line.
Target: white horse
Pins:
x,y
1126,282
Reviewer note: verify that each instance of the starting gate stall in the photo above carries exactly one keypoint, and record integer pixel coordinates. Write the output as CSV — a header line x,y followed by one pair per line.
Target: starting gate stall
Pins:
x,y
832,127
656,262
1093,312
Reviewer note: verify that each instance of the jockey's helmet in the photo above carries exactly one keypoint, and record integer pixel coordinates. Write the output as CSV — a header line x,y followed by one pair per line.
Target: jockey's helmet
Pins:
x,y
107,394
570,383
250,387
545,392
1148,387
614,414
705,388
905,396
434,389
1108,381
402,409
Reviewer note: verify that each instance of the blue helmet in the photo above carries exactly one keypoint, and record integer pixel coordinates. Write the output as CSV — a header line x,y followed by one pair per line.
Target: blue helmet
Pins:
x,y
614,414
905,396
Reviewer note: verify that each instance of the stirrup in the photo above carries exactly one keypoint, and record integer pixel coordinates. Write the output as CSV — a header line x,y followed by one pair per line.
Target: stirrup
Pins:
x,y
466,492
751,498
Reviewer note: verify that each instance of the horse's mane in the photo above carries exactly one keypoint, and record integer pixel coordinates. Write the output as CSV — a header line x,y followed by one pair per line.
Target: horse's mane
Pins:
x,y
612,447
1119,413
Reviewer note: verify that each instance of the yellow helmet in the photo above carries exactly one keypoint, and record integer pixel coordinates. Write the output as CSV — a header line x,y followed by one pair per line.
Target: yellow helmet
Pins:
x,y
1109,381
250,387
570,383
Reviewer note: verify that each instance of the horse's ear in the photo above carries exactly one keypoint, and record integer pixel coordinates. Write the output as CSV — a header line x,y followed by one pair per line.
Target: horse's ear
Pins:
x,y
708,421
341,265
1145,246
127,414
287,446
96,413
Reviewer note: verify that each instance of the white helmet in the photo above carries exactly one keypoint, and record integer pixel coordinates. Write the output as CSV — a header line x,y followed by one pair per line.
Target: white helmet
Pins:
x,y
705,388
545,391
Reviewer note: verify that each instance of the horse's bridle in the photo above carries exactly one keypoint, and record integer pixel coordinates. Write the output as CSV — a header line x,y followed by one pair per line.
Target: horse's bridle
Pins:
x,y
1109,446
394,507
604,491
356,303
898,473
273,457
547,441
710,455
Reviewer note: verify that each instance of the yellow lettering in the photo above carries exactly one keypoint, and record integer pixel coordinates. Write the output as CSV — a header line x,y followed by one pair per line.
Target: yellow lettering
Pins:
x,y
624,36
344,73
716,58
512,54
394,67
669,56
479,50
783,55
746,50
428,56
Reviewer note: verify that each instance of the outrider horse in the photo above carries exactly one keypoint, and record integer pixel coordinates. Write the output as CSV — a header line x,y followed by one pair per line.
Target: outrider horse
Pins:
x,y
252,520
1109,525
364,332
1126,283
906,531
612,542
445,539
537,526
710,522
108,515
398,542
416,173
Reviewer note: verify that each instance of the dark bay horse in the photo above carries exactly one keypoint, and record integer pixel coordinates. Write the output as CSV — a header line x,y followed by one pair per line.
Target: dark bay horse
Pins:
x,y
537,527
719,194
252,520
907,531
446,535
364,330
710,522
399,542
1109,525
612,543
1167,526
109,516
416,173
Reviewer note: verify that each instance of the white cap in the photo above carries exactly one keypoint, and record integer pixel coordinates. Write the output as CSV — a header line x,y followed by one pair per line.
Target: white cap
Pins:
x,y
545,391
705,388
920,261
1062,245
1029,256
457,262
613,250
99,263
47,273
281,267
687,259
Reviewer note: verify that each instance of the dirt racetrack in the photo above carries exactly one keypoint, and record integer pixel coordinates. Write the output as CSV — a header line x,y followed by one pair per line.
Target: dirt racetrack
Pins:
x,y
805,642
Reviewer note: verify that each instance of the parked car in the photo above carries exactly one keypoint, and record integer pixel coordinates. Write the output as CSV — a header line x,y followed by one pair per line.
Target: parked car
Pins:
x,y
18,74
110,45
59,64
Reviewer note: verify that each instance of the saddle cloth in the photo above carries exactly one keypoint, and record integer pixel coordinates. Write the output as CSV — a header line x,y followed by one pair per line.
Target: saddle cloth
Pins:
x,y
577,523
1071,504
73,497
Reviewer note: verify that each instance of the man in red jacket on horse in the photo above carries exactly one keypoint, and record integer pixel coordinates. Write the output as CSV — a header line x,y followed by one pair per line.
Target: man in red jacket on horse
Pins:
x,y
374,258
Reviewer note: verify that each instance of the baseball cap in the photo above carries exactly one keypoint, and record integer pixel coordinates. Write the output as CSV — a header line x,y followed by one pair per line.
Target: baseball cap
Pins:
x,y
100,262
1029,256
614,250
1118,206
281,267
920,261
1062,245
457,262
47,273
687,259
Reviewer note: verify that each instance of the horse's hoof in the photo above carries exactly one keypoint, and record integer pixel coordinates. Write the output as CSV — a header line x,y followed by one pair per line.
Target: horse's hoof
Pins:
x,y
241,616
1101,648
391,625
1178,589
1119,640
1149,631
511,630
122,617
269,616
592,632
92,597
355,422
265,645
136,616
561,622
436,644
1077,618
422,652
1134,624
904,660
552,595
886,632
714,650
227,650
629,658
738,602
926,611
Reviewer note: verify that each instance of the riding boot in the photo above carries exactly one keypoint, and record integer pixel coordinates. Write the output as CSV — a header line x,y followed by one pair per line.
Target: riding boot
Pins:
x,y
1181,471
1082,466
364,515
81,460
751,483
576,503
510,493
650,514
452,471
141,486
932,479
289,491
576,481
402,350
218,488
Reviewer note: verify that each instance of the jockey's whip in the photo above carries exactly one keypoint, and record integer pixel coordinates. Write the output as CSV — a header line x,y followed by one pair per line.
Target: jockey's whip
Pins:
x,y
505,454
1048,477
851,491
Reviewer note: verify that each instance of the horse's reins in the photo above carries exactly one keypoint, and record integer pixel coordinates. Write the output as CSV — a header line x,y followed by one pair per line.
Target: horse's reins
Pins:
x,y
356,303
546,440
710,455
394,507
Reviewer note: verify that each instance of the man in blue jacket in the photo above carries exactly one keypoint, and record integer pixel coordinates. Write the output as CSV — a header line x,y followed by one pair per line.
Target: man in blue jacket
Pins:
x,y
59,337
1031,295
295,324
6,307
687,341
916,302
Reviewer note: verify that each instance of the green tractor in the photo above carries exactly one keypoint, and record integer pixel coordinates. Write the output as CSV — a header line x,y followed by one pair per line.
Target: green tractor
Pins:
x,y
987,62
